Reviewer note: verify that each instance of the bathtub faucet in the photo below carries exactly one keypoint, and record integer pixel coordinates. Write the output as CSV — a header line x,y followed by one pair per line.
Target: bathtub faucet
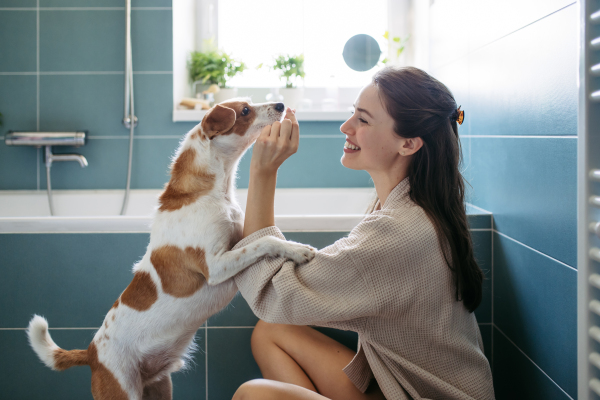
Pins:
x,y
50,158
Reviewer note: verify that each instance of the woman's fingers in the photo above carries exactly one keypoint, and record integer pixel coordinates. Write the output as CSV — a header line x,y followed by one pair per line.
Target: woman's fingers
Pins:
x,y
275,127
295,131
266,131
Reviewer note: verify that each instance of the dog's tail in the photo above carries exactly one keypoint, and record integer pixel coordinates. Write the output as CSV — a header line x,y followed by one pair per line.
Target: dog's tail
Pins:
x,y
50,354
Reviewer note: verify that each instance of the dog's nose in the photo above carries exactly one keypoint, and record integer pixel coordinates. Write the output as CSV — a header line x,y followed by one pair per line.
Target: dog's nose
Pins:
x,y
280,107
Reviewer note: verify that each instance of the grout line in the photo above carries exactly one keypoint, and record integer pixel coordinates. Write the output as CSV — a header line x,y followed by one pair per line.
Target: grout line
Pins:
x,y
38,72
37,66
520,136
178,137
81,73
523,27
229,327
526,356
58,329
321,136
479,208
84,8
537,251
481,229
205,328
206,360
38,154
492,338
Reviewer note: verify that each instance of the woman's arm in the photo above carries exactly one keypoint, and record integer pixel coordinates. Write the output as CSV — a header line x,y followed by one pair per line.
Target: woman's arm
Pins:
x,y
274,145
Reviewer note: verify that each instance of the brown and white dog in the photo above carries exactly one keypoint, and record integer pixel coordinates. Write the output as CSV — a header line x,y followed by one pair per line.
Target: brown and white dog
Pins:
x,y
148,333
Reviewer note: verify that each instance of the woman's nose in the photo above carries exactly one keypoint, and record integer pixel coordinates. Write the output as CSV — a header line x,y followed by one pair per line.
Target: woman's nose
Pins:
x,y
345,128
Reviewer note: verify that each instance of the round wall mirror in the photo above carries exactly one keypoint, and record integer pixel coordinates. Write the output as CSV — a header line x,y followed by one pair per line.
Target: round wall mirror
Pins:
x,y
361,52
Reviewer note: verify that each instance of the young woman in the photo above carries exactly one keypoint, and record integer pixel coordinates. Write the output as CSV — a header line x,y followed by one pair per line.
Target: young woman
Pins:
x,y
405,278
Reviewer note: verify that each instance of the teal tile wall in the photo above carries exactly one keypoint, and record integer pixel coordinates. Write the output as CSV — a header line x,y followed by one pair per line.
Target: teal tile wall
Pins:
x,y
73,279
66,73
515,73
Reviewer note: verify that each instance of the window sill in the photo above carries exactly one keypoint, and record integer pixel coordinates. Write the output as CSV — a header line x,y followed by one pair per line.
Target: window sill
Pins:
x,y
196,115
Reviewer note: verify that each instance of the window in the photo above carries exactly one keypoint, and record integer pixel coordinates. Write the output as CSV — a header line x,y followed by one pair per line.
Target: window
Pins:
x,y
256,31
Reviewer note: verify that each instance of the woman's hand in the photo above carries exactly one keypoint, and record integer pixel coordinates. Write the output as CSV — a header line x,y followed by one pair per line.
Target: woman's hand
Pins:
x,y
275,144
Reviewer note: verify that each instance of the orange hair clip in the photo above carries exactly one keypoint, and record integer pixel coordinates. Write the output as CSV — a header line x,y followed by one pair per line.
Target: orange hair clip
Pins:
x,y
460,116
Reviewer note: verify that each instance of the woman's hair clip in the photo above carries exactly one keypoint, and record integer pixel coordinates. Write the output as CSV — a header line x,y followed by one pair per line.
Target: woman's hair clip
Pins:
x,y
458,115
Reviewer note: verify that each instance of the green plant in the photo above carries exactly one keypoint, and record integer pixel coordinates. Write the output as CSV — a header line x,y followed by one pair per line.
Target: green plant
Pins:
x,y
290,67
396,43
213,66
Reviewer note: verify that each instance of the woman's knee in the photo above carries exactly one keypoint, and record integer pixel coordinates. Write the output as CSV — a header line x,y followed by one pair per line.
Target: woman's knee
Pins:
x,y
254,389
262,334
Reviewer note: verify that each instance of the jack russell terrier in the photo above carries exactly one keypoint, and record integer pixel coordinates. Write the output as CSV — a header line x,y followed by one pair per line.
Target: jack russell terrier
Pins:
x,y
148,333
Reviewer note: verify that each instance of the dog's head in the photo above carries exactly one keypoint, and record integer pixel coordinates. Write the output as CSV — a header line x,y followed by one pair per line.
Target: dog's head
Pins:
x,y
239,121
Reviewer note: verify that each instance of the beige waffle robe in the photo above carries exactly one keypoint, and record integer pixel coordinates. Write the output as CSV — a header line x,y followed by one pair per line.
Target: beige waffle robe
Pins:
x,y
389,282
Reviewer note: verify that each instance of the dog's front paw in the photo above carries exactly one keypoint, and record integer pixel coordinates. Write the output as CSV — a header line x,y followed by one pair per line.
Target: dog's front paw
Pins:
x,y
298,252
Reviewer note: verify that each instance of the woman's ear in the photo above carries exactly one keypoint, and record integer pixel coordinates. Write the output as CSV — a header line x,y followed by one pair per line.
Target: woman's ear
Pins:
x,y
410,146
217,120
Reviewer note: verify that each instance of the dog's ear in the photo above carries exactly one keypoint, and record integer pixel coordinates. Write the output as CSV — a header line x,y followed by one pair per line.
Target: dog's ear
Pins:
x,y
217,120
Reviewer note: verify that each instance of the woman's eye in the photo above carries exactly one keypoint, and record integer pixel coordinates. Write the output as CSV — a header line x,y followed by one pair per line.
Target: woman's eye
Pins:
x,y
362,120
245,111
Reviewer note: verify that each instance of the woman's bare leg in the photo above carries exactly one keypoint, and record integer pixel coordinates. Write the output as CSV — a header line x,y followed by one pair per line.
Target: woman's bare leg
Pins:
x,y
304,357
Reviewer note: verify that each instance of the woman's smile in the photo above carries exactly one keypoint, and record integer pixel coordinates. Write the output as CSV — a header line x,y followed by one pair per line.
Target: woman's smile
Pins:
x,y
350,147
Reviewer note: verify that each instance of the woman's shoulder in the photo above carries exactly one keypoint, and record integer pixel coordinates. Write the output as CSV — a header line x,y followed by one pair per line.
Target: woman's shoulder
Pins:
x,y
409,218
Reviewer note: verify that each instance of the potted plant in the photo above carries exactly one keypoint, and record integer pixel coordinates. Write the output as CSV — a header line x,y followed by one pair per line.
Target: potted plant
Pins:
x,y
396,44
291,68
214,66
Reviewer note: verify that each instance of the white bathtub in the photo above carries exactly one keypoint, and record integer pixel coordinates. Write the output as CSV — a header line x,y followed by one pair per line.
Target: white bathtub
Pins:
x,y
97,210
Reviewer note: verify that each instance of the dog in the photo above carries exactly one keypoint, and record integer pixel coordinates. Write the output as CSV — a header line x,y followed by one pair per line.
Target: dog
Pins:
x,y
148,333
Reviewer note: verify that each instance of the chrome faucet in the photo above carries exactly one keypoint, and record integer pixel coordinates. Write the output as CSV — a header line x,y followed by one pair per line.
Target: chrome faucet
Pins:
x,y
49,139
50,158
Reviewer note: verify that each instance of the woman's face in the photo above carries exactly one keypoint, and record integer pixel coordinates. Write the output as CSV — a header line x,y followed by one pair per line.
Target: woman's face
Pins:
x,y
371,130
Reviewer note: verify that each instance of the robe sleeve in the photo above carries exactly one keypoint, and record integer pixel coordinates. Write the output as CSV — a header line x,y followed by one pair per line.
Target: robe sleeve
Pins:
x,y
331,287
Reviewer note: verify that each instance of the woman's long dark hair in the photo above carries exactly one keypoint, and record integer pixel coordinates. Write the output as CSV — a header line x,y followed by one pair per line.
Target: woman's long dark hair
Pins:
x,y
422,106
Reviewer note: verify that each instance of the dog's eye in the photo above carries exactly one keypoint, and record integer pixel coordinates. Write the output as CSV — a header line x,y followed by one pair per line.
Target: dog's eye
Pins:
x,y
245,111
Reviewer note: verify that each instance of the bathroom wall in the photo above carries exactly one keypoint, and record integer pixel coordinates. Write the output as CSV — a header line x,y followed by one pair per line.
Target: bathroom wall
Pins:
x,y
513,66
73,279
61,68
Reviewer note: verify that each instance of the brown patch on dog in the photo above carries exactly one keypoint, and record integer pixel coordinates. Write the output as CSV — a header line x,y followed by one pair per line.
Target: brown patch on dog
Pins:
x,y
113,317
115,304
243,250
181,272
64,359
106,324
188,182
141,292
104,384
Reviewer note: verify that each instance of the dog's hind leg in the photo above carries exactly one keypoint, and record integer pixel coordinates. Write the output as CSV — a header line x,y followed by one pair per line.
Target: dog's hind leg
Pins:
x,y
159,390
227,264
